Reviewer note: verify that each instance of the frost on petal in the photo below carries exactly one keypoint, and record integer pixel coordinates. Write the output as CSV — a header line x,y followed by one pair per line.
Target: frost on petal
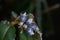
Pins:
x,y
25,26
29,21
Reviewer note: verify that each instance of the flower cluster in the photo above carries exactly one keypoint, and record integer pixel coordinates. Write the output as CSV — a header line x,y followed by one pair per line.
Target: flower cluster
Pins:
x,y
27,21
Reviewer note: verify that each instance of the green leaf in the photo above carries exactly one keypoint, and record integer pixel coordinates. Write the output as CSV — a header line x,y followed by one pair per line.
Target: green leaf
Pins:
x,y
7,32
24,36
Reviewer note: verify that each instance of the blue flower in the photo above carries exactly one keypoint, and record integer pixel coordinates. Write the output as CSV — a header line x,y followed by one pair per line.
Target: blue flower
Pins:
x,y
29,31
31,28
23,17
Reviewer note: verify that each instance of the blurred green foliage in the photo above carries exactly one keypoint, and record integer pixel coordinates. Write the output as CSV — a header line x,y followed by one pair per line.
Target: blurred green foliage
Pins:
x,y
7,32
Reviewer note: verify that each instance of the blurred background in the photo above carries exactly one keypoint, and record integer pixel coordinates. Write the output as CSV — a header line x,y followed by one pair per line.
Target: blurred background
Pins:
x,y
47,13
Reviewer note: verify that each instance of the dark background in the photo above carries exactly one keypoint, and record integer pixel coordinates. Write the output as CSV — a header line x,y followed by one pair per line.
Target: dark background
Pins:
x,y
7,6
54,16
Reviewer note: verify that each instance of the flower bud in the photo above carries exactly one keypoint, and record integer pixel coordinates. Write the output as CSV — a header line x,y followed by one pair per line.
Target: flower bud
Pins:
x,y
30,31
23,17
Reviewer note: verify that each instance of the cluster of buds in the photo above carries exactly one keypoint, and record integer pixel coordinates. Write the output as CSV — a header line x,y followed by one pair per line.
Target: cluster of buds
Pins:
x,y
28,23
